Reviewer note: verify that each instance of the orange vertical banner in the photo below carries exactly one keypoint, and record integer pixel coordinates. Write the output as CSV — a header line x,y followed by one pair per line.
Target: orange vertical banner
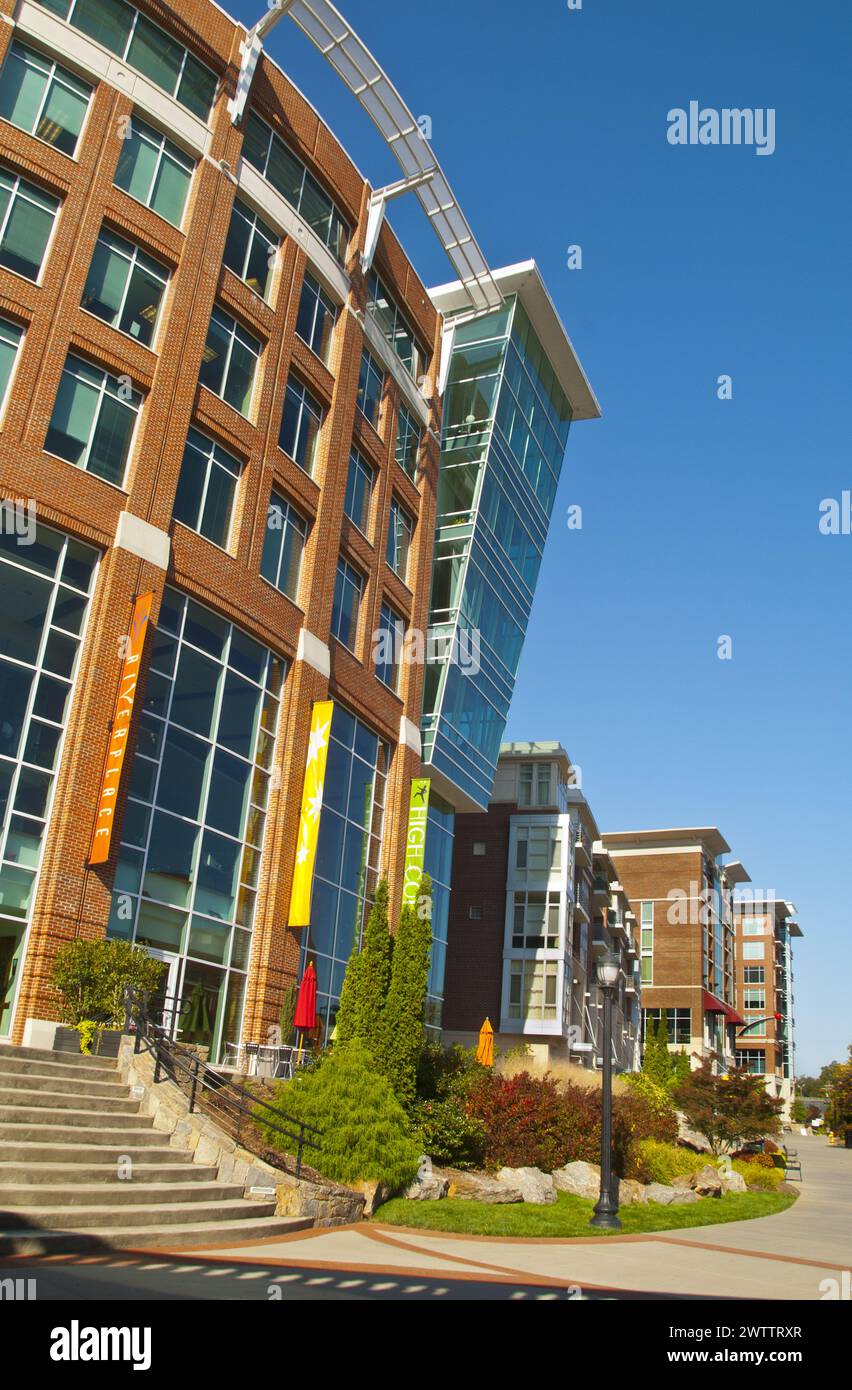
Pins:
x,y
122,715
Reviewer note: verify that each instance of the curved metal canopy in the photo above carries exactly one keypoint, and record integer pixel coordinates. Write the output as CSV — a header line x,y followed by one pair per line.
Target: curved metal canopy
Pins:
x,y
355,65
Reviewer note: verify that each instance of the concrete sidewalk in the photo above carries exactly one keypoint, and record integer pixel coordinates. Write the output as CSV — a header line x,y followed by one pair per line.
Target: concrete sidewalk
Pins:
x,y
776,1257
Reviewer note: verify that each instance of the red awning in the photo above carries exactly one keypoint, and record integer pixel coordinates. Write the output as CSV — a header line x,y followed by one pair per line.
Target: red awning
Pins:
x,y
712,1005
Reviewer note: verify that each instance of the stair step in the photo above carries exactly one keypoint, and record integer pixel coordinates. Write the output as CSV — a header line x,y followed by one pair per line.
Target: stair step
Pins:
x,y
35,1082
101,1216
82,1175
117,1192
43,1064
193,1235
145,1148
53,1101
82,1134
59,1059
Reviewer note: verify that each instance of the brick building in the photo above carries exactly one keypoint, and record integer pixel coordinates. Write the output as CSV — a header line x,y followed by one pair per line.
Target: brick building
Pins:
x,y
535,902
680,891
765,927
204,315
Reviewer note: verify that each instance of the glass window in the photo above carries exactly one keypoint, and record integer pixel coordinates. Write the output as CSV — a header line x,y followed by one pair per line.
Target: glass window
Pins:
x,y
283,546
752,1059
753,950
206,488
359,491
26,221
408,438
11,337
288,175
348,590
251,249
300,425
230,361
400,532
370,384
538,849
532,990
43,98
348,851
316,319
753,926
754,999
391,321
154,171
42,583
388,646
535,919
145,46
193,832
93,420
125,287
754,974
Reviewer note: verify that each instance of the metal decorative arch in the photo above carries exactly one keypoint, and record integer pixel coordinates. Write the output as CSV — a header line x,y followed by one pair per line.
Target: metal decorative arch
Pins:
x,y
341,47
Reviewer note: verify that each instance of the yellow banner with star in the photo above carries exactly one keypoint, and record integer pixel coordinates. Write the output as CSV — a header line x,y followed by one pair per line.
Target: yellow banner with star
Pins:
x,y
306,847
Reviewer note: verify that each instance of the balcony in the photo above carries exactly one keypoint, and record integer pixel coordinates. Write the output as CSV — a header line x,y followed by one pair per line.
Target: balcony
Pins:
x,y
601,888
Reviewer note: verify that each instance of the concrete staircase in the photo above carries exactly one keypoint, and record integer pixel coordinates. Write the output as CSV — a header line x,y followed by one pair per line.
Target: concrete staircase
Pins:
x,y
65,1128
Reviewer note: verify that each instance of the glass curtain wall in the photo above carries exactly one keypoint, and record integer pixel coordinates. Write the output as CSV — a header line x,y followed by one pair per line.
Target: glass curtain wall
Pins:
x,y
46,580
193,831
506,423
348,855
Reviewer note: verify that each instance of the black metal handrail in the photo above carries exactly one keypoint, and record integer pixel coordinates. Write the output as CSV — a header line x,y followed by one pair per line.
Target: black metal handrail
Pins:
x,y
208,1088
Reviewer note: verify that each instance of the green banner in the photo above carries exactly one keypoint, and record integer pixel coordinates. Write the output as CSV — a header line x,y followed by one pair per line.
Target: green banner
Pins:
x,y
415,842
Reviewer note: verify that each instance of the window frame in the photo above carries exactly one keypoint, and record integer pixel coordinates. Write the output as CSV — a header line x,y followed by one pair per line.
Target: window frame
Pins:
x,y
164,148
399,519
391,624
312,286
257,229
106,376
293,520
135,259
211,462
308,404
19,181
413,430
235,331
360,482
344,573
57,73
370,370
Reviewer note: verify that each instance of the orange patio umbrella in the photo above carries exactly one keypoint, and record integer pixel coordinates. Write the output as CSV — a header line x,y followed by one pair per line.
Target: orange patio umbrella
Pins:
x,y
485,1051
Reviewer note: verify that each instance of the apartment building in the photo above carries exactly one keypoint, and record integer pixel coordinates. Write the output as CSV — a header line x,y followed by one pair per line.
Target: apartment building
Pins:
x,y
224,393
680,885
535,901
765,927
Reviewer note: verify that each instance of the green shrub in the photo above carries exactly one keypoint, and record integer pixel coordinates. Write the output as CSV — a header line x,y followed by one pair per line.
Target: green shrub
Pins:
x,y
442,1071
759,1178
90,978
448,1134
655,1160
365,1132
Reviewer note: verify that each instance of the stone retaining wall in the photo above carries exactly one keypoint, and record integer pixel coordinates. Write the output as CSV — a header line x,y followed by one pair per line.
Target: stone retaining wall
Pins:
x,y
326,1203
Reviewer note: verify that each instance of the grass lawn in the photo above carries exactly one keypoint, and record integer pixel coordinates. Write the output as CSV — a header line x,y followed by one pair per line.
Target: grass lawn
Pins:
x,y
569,1216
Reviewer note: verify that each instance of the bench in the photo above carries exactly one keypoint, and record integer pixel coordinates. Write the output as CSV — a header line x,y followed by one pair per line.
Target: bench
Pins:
x,y
792,1162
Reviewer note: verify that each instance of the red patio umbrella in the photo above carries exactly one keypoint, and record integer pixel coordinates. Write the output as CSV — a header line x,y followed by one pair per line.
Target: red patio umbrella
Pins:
x,y
305,1017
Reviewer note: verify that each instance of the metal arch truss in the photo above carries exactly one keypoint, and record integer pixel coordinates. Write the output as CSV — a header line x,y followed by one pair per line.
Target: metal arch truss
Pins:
x,y
355,65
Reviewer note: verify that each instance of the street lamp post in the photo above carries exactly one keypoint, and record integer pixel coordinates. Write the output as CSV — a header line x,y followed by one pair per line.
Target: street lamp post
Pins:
x,y
606,1208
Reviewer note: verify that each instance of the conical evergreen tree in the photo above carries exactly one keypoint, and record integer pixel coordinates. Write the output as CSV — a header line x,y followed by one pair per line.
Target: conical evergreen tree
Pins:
x,y
657,1063
402,1027
365,984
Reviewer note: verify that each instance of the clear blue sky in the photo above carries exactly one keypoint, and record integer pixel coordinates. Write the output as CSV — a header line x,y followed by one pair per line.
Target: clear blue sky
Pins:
x,y
700,516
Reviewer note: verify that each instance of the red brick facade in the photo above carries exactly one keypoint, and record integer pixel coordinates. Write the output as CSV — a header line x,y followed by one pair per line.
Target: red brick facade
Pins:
x,y
72,899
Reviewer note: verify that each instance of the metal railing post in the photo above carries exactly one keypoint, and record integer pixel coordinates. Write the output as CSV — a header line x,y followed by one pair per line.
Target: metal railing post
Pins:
x,y
193,1084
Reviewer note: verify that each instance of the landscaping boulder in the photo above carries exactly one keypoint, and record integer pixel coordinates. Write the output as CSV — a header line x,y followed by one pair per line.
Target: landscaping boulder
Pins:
x,y
427,1185
630,1192
477,1187
535,1186
707,1182
733,1182
669,1196
579,1178
375,1194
